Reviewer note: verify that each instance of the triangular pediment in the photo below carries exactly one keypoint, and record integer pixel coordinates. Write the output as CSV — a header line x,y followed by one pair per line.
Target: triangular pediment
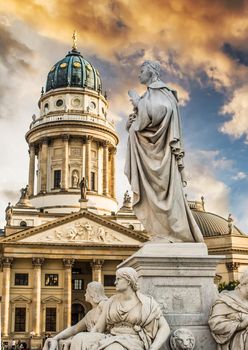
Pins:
x,y
21,299
80,228
51,299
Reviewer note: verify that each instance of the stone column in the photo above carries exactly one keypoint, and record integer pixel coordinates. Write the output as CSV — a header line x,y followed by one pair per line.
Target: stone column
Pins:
x,y
88,160
112,177
97,270
43,165
31,169
65,164
37,263
105,168
233,270
68,263
6,262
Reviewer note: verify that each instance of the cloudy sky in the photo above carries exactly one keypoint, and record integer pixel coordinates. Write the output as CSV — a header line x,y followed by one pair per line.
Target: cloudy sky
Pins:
x,y
203,49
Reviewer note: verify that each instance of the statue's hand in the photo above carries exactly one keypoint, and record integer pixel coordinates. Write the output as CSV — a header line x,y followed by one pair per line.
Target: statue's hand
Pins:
x,y
130,121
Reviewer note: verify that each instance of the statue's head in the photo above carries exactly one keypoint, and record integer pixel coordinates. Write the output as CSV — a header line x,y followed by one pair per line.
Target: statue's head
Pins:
x,y
243,284
149,72
95,293
182,339
125,277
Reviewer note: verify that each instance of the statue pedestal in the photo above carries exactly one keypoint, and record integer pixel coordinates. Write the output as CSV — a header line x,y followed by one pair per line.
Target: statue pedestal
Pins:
x,y
180,277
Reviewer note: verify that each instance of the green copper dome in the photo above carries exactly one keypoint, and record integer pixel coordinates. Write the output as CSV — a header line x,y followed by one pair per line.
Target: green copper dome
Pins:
x,y
74,71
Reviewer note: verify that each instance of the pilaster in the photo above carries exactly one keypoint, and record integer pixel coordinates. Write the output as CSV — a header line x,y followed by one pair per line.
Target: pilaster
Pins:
x,y
64,182
105,168
112,172
37,264
31,169
88,159
96,266
43,165
68,263
6,263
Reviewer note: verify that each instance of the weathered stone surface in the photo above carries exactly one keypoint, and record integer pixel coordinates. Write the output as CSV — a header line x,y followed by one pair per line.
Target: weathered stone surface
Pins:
x,y
180,277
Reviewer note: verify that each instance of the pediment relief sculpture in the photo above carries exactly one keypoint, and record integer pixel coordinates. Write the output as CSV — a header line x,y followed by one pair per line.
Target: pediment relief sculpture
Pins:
x,y
83,231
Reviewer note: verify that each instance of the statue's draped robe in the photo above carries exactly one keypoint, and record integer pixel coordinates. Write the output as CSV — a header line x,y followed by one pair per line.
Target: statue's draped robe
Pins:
x,y
133,329
225,318
154,168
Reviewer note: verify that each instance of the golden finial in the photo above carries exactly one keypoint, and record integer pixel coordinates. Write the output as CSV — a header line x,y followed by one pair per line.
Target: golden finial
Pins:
x,y
74,43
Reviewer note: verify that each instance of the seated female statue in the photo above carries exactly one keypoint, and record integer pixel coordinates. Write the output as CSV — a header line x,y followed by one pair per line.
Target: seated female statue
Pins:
x,y
132,321
96,297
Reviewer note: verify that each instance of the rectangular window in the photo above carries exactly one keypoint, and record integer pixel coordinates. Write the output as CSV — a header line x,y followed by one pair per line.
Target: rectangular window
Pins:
x,y
109,280
51,279
78,284
51,319
20,319
57,179
92,181
21,279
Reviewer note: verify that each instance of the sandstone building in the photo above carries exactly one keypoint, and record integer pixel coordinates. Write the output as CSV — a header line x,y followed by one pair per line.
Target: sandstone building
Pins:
x,y
53,245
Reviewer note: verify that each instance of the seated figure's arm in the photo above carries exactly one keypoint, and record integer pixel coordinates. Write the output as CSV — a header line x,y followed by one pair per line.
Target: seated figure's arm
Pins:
x,y
70,331
162,334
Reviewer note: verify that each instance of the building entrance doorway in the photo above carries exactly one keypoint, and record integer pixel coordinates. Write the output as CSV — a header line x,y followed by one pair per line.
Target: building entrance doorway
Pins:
x,y
77,313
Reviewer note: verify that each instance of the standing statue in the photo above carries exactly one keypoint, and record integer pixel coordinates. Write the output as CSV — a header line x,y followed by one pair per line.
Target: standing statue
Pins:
x,y
230,223
25,192
154,162
83,187
96,297
229,317
8,214
75,179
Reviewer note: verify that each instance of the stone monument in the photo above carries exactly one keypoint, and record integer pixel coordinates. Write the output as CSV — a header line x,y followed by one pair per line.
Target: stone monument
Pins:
x,y
174,267
229,317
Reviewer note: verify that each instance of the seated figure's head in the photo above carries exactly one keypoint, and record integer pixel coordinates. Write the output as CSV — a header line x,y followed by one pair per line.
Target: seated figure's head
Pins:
x,y
182,339
243,285
149,72
126,276
95,293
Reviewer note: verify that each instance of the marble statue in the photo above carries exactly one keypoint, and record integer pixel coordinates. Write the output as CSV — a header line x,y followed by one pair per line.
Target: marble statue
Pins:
x,y
62,341
228,319
230,223
8,214
182,339
83,187
133,321
75,179
154,161
25,192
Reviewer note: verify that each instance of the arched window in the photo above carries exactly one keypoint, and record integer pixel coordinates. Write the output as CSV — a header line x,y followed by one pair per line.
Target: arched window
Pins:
x,y
23,224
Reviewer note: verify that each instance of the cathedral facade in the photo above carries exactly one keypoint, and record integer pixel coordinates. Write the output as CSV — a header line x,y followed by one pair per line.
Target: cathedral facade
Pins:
x,y
66,230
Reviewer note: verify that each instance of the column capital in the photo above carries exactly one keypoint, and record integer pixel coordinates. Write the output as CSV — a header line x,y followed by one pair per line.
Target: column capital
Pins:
x,y
113,151
7,261
44,140
68,262
105,144
38,262
88,139
232,266
97,264
65,137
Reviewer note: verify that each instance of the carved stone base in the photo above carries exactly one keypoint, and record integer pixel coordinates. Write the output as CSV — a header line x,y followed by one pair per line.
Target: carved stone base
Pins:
x,y
36,343
180,277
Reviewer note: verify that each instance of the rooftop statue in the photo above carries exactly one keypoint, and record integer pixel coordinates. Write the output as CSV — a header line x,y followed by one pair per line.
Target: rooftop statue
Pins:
x,y
96,297
154,162
229,317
